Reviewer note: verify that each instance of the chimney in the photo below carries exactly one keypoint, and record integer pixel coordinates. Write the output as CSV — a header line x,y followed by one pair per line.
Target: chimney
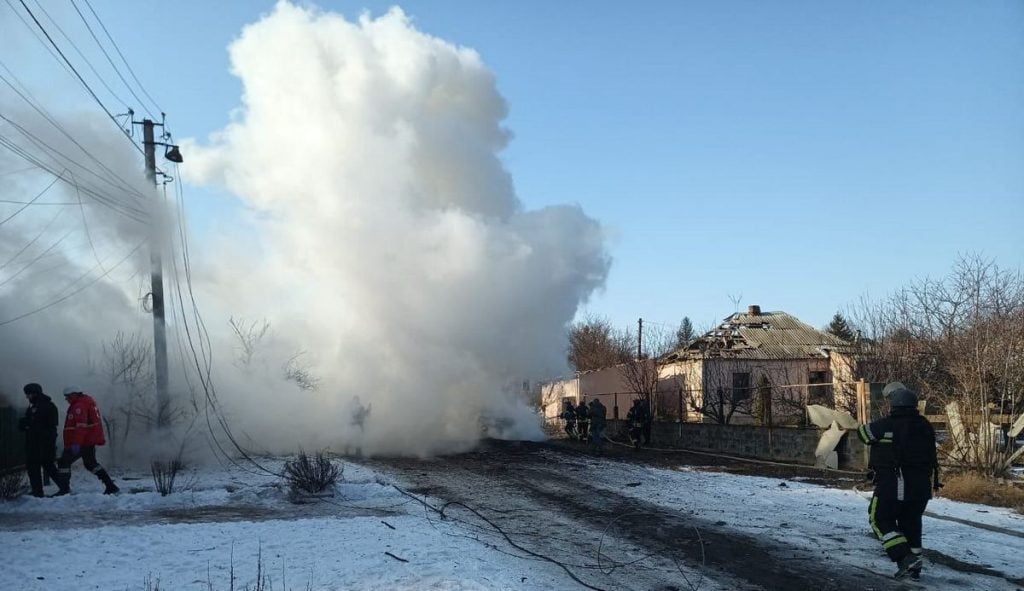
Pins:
x,y
753,310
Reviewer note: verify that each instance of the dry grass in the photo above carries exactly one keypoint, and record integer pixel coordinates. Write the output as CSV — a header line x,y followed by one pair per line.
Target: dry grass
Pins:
x,y
973,488
12,485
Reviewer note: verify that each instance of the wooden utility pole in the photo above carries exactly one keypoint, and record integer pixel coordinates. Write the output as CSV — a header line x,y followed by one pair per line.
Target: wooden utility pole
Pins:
x,y
157,282
640,338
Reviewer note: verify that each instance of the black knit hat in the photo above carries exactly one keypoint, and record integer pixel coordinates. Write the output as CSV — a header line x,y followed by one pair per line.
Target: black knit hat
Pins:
x,y
33,388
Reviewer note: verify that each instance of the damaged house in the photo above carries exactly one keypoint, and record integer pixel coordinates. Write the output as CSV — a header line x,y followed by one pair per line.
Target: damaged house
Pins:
x,y
757,367
754,368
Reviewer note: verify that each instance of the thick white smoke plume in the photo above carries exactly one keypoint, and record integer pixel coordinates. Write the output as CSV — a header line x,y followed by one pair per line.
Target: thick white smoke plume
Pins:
x,y
388,290
392,249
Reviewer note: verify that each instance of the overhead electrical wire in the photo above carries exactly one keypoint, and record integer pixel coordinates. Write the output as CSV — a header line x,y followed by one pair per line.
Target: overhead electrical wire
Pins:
x,y
119,53
24,207
85,223
109,59
73,69
27,246
199,343
28,98
75,292
37,259
85,59
129,211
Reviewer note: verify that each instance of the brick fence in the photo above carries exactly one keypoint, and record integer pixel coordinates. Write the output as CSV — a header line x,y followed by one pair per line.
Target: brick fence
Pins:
x,y
781,444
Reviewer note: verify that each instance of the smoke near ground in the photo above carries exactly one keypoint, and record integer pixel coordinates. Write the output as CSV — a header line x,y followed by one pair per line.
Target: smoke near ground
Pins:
x,y
389,292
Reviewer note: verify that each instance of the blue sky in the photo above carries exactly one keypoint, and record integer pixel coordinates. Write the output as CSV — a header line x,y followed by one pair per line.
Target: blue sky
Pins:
x,y
798,153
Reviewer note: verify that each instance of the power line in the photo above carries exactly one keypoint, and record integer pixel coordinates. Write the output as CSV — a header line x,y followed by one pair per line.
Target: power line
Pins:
x,y
73,69
109,60
122,208
85,224
37,259
28,98
82,55
118,50
77,291
24,207
60,212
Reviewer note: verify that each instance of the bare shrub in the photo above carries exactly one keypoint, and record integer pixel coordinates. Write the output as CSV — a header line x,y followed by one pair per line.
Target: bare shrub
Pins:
x,y
300,372
250,334
165,474
12,485
971,487
307,475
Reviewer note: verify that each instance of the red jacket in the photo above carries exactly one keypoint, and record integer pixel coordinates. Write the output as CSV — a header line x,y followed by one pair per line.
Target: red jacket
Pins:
x,y
83,425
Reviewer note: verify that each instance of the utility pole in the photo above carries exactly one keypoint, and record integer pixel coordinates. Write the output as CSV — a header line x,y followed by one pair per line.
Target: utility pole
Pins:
x,y
640,338
163,399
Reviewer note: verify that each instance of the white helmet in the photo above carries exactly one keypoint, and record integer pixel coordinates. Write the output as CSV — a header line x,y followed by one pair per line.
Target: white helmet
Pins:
x,y
72,390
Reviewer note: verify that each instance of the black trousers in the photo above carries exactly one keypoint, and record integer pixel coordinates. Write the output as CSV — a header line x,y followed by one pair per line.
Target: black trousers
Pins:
x,y
895,513
88,456
36,469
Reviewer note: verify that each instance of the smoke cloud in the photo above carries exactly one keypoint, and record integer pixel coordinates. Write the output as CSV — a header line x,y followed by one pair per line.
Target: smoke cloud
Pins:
x,y
389,291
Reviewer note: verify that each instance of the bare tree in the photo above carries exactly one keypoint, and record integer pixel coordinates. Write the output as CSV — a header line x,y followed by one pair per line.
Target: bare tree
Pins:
x,y
959,341
642,374
594,344
249,334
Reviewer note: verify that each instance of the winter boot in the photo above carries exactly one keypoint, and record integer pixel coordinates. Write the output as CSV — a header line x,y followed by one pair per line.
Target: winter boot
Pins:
x,y
908,564
111,488
63,483
915,573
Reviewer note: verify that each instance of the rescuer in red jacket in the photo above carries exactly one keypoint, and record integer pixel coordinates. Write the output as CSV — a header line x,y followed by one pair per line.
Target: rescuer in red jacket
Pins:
x,y
83,432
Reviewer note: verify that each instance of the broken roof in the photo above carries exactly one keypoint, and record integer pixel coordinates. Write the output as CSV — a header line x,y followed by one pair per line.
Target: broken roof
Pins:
x,y
763,335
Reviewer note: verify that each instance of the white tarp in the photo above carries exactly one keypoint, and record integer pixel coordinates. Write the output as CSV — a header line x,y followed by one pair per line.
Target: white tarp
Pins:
x,y
823,416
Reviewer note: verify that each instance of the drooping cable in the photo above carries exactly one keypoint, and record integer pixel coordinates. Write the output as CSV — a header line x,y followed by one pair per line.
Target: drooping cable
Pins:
x,y
76,291
34,199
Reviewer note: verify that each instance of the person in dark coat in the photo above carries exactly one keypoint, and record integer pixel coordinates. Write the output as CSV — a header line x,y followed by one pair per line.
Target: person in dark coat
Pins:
x,y
905,475
40,427
582,421
598,421
648,419
569,416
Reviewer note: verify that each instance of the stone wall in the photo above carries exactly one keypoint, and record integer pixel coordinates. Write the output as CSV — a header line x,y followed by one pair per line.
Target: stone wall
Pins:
x,y
780,444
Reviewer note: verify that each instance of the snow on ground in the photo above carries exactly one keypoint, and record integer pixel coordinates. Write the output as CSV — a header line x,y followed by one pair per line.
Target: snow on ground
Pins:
x,y
815,517
224,517
186,540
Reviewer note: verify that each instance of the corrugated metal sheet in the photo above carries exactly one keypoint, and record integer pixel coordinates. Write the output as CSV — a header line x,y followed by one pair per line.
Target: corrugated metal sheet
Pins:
x,y
769,335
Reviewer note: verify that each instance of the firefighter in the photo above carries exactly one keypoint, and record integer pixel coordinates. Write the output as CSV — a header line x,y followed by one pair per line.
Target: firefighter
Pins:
x,y
582,421
40,427
569,415
83,432
598,416
635,423
906,470
648,418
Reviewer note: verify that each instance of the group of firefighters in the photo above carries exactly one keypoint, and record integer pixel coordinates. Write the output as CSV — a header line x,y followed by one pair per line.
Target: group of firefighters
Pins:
x,y
903,466
587,422
83,433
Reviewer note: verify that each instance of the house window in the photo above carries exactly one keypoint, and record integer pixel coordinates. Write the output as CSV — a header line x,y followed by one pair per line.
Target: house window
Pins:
x,y
741,385
819,394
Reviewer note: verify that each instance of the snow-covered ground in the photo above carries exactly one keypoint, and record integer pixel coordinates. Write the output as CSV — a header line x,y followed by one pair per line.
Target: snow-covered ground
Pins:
x,y
833,521
224,517
190,540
